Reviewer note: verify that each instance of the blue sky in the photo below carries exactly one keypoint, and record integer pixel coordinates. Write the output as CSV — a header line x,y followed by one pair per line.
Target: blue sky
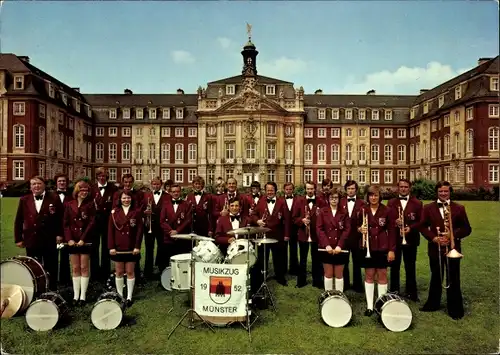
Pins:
x,y
340,47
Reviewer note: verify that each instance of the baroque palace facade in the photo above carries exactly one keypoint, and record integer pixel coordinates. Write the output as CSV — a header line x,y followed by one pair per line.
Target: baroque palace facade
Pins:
x,y
251,127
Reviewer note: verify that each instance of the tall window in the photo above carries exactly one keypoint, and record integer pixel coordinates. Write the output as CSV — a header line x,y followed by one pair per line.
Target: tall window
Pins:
x,y
388,153
433,149
362,177
308,175
289,151
308,152
457,144
61,144
192,153
211,150
41,140
271,150
412,153
321,153
375,176
18,170
336,176
138,151
165,153
19,136
348,152
493,136
126,151
288,175
402,153
112,151
152,151
362,152
375,153
230,150
470,141
99,151
493,173
71,147
250,149
335,153
179,152
271,175
138,174
447,145
165,174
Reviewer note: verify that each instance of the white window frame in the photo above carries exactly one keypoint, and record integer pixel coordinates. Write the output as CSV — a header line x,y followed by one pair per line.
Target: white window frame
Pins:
x,y
179,113
271,90
19,79
362,114
348,114
126,131
308,133
388,115
375,176
375,115
494,83
99,151
335,114
152,113
192,132
165,132
469,174
321,132
99,131
179,131
494,111
139,113
179,175
126,113
230,89
493,172
388,132
401,132
18,169
19,108
19,136
308,175
335,132
321,114
112,114
375,133
166,113
112,132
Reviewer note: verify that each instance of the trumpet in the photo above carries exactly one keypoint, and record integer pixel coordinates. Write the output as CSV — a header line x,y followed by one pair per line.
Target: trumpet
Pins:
x,y
308,226
226,205
149,207
402,224
366,236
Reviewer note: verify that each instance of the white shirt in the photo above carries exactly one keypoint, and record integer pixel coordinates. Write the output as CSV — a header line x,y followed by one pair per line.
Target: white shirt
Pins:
x,y
350,205
235,224
125,209
270,206
101,191
61,197
404,202
334,212
157,197
289,203
310,204
197,198
441,209
38,203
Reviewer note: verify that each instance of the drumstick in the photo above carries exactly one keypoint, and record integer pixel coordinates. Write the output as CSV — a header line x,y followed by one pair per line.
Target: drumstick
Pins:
x,y
75,245
124,252
342,251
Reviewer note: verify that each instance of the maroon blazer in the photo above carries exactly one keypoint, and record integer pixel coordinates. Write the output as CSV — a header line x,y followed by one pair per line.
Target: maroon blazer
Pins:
x,y
79,222
299,212
332,231
431,219
352,242
125,231
280,230
179,221
37,229
288,215
224,225
381,228
137,196
203,219
155,207
412,215
221,199
322,199
104,203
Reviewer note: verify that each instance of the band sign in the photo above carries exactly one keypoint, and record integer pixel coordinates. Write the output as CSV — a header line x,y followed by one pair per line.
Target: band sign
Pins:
x,y
220,290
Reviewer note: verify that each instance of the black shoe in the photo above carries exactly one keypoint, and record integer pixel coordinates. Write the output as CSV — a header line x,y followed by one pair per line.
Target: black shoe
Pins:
x,y
282,281
457,316
82,303
129,303
412,297
301,284
293,272
319,285
358,288
429,308
75,303
368,312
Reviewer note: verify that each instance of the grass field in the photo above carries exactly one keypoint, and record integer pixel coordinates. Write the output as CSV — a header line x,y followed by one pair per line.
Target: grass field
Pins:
x,y
296,327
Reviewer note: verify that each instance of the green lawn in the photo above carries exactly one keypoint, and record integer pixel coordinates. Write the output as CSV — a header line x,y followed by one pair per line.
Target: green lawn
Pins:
x,y
296,327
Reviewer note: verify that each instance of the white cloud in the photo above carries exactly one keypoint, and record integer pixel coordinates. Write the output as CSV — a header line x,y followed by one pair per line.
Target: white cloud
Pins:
x,y
404,80
182,57
282,67
224,42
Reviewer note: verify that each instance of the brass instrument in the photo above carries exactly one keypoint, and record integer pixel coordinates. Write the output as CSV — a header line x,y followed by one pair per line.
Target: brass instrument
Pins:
x,y
448,231
308,226
402,225
149,208
442,266
226,205
366,236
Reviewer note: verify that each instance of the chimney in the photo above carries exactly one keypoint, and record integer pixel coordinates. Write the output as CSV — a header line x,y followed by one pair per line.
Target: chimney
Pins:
x,y
24,58
127,92
371,92
76,89
318,92
482,61
180,92
423,91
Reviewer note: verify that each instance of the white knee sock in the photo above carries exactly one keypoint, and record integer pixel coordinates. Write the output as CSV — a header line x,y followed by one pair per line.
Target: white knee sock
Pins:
x,y
85,285
328,284
369,289
382,289
119,285
130,288
339,284
76,288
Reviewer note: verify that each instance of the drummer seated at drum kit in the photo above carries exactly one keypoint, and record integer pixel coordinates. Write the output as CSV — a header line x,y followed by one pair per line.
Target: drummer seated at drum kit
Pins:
x,y
230,220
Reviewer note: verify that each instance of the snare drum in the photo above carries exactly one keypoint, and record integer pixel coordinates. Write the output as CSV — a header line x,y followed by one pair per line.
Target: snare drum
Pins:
x,y
180,267
394,312
108,311
335,308
207,252
166,279
45,312
239,251
26,272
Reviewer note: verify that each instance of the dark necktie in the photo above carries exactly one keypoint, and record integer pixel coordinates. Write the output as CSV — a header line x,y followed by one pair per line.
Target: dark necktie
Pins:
x,y
197,193
351,200
441,205
255,196
401,198
39,198
61,192
102,188
231,196
176,202
233,218
311,200
269,200
289,197
157,192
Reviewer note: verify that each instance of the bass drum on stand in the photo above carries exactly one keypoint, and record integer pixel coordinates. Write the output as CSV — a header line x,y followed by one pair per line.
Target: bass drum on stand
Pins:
x,y
239,251
335,308
108,311
394,312
208,252
44,314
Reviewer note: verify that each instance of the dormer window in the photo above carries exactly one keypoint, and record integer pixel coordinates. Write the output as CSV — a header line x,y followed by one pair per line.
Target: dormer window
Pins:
x,y
441,101
413,112
335,113
388,115
348,114
126,113
230,89
270,90
426,107
458,92
89,111
166,113
139,113
179,113
52,91
112,113
152,114
64,98
375,115
494,85
18,82
77,106
362,114
321,114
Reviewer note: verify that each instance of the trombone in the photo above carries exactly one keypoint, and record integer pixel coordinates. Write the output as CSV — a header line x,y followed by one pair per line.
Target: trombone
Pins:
x,y
402,225
366,236
308,226
450,237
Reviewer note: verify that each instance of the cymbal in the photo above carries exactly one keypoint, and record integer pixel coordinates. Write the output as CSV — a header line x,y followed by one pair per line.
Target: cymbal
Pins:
x,y
249,230
12,298
192,236
264,241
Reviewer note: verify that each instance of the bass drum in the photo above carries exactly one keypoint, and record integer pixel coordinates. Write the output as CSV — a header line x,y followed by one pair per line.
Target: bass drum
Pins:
x,y
240,251
335,308
107,313
394,312
44,314
26,272
166,279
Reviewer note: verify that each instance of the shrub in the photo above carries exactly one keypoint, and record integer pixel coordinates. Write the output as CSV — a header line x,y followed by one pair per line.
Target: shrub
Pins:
x,y
424,189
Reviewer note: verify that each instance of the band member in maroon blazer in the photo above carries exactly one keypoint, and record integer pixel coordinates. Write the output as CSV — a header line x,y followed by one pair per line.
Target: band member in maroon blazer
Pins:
x,y
333,230
203,207
38,226
102,194
125,232
167,186
351,205
79,223
411,210
381,244
323,198
291,200
62,181
176,218
154,203
255,194
435,227
305,214
220,187
222,200
270,213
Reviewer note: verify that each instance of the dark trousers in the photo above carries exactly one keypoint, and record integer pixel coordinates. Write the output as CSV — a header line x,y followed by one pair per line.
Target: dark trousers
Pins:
x,y
357,280
293,250
149,241
409,254
454,299
64,269
47,256
278,250
100,268
317,267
